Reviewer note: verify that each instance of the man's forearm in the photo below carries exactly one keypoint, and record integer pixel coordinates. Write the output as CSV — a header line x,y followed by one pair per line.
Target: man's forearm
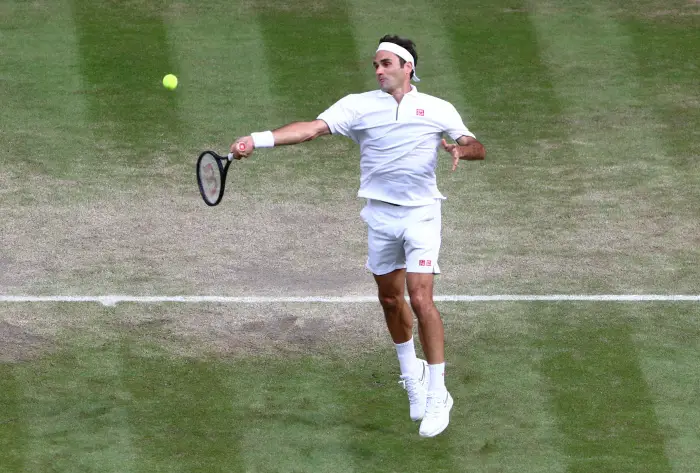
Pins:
x,y
295,133
290,134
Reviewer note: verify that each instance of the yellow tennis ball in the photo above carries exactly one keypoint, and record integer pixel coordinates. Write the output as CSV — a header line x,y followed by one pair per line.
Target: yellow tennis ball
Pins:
x,y
170,81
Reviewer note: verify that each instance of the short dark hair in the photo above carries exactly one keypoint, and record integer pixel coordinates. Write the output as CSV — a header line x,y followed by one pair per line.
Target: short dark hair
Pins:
x,y
405,43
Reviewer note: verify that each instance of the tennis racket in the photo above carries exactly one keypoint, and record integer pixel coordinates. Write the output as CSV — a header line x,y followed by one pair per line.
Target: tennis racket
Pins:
x,y
211,175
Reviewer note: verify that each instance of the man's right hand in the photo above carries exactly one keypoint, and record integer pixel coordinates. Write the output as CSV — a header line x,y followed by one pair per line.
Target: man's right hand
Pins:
x,y
243,147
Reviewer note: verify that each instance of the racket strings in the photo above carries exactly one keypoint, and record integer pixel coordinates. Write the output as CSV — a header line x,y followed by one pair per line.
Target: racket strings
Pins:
x,y
210,175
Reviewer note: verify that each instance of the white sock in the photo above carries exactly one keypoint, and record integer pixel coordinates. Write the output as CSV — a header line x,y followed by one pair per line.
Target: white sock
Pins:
x,y
407,357
437,377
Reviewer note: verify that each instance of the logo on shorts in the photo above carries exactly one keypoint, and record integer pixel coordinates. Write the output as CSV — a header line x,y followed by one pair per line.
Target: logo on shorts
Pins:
x,y
420,112
424,262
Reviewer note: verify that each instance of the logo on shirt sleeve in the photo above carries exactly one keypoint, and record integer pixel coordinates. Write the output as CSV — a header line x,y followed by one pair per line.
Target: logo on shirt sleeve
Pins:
x,y
420,112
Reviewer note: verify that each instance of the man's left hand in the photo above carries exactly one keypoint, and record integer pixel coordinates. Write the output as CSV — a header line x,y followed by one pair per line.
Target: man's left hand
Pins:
x,y
454,150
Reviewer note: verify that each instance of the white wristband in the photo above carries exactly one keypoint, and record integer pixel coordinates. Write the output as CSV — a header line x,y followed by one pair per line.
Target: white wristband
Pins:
x,y
263,139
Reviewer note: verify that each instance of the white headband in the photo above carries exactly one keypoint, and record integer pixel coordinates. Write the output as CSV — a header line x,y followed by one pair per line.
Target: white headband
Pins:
x,y
400,52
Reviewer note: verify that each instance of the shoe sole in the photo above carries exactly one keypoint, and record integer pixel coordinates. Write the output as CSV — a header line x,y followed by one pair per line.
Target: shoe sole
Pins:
x,y
450,402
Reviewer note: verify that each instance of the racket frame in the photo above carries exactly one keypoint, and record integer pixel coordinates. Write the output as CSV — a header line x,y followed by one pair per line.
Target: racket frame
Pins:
x,y
223,170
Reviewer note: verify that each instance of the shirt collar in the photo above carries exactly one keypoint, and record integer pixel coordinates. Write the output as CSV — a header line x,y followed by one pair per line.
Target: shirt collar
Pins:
x,y
412,92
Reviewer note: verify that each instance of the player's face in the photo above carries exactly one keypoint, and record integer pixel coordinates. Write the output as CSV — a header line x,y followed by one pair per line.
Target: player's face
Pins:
x,y
390,74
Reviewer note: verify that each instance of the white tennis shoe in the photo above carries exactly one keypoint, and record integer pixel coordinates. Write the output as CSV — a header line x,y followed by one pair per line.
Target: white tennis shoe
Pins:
x,y
417,388
437,413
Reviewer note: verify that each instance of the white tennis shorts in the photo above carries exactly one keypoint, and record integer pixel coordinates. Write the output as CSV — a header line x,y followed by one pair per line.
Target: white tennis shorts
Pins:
x,y
403,237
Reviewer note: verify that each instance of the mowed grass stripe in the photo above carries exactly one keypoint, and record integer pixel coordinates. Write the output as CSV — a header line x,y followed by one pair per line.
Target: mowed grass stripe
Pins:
x,y
75,408
310,54
13,429
181,413
666,47
291,412
42,114
620,182
668,341
604,405
124,54
224,92
503,210
493,47
224,89
501,420
617,174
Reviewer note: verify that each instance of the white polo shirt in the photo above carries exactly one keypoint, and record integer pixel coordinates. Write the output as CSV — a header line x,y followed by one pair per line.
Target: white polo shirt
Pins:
x,y
398,142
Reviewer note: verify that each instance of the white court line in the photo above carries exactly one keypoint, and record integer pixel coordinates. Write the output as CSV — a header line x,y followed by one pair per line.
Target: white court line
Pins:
x,y
111,300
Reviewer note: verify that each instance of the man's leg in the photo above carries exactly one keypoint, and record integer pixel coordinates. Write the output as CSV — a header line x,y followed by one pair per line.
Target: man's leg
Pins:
x,y
422,248
422,245
397,313
439,402
386,260
415,376
431,331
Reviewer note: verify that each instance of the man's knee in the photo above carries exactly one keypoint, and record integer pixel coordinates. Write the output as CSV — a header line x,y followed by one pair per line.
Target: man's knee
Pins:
x,y
391,302
421,302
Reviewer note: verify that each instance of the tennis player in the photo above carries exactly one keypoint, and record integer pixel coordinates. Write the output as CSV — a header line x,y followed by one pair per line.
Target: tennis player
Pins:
x,y
399,131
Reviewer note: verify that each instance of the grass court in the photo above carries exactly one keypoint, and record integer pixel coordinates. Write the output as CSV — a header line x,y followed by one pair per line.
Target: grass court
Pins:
x,y
590,114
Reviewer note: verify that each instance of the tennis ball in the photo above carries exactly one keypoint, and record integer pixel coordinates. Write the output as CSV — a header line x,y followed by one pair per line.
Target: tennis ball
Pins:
x,y
170,81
